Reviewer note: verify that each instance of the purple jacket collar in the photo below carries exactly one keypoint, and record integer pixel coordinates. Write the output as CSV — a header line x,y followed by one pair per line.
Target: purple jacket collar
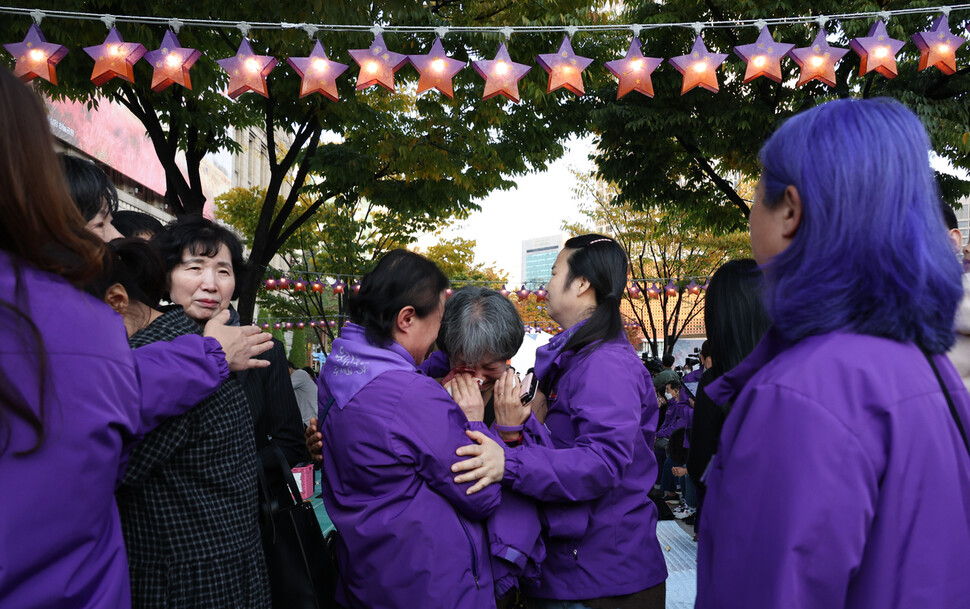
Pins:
x,y
354,362
550,353
727,387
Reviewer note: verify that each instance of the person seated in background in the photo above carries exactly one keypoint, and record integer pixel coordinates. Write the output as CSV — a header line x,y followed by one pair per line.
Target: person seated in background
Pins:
x,y
93,193
136,224
678,416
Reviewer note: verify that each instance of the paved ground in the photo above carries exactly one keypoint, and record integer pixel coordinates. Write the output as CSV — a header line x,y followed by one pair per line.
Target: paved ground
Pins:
x,y
680,552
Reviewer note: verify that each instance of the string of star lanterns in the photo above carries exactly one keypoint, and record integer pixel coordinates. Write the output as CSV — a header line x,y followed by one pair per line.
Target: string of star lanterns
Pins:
x,y
114,58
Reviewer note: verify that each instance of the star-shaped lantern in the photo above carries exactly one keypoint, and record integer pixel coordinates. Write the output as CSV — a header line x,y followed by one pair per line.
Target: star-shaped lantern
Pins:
x,y
877,51
318,72
565,68
937,47
818,61
436,69
172,63
502,75
247,71
633,291
35,56
699,67
634,70
114,57
377,65
692,288
763,56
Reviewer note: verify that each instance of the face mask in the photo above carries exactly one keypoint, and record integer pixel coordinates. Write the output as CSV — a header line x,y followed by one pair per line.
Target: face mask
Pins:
x,y
668,395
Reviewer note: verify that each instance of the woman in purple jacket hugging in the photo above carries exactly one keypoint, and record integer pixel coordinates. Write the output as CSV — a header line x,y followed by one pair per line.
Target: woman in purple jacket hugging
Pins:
x,y
409,536
591,464
848,421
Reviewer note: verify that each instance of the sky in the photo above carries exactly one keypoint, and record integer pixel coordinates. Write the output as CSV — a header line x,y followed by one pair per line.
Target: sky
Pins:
x,y
536,207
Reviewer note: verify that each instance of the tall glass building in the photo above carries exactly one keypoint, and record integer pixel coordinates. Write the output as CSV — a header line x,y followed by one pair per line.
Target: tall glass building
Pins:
x,y
538,256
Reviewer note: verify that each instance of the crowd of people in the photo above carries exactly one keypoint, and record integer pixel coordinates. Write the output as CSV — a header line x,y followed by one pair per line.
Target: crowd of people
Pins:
x,y
824,393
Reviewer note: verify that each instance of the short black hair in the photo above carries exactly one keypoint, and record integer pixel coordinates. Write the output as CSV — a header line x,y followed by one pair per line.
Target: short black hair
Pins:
x,y
133,223
674,384
400,279
705,349
90,187
668,360
136,265
201,237
949,216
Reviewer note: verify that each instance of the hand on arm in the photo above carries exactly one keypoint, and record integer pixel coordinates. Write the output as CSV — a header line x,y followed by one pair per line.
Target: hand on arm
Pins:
x,y
487,463
241,344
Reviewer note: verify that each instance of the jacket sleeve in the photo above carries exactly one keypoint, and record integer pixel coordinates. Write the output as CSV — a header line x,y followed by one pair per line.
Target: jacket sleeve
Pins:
x,y
800,542
604,405
176,375
430,427
278,419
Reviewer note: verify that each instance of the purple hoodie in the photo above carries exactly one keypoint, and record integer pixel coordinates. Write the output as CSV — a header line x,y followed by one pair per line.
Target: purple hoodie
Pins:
x,y
60,536
861,478
592,465
410,536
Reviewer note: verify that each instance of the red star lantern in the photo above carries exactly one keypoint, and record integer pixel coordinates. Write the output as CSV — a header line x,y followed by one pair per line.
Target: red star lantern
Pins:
x,y
541,294
377,65
937,47
523,293
634,70
270,284
354,289
339,287
171,63
693,289
436,70
299,286
247,71
699,67
114,58
502,75
763,56
316,287
318,72
877,51
565,68
448,293
283,283
633,291
35,56
818,61
504,292
653,291
671,288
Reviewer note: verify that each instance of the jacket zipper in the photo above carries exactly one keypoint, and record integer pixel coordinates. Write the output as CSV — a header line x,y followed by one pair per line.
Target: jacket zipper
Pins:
x,y
472,547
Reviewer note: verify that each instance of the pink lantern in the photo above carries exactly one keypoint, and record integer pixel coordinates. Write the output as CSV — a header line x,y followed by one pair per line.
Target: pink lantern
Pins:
x,y
271,284
283,283
671,288
541,294
633,291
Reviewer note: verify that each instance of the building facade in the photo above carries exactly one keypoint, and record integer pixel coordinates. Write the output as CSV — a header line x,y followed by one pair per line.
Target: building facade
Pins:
x,y
538,256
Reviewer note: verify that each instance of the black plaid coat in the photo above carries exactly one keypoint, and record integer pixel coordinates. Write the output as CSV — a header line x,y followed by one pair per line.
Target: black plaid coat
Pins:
x,y
188,501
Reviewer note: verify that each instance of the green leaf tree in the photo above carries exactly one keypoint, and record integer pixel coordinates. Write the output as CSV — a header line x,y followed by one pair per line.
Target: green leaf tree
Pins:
x,y
688,153
427,156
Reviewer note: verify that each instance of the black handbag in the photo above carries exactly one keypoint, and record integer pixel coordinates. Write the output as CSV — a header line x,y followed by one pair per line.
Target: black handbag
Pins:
x,y
302,572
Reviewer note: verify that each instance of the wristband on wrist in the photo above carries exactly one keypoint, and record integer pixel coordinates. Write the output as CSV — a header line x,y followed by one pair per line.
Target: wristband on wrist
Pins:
x,y
509,427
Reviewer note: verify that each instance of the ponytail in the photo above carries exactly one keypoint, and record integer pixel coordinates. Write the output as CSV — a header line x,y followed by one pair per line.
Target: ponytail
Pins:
x,y
602,262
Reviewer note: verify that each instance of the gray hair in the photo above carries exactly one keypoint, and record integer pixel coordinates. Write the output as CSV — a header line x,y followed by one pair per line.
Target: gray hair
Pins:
x,y
480,324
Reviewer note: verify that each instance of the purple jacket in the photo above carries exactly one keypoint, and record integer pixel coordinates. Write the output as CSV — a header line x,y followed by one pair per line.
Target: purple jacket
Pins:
x,y
60,536
861,478
592,471
410,536
679,415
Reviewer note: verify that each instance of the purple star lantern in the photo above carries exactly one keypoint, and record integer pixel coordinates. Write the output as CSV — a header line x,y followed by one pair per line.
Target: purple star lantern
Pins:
x,y
763,56
634,70
938,46
35,56
565,68
377,65
436,70
818,61
247,71
172,63
699,67
877,51
319,73
502,75
114,58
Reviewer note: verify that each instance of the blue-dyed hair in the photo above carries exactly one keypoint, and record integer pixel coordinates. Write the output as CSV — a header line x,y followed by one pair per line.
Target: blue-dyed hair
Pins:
x,y
871,254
